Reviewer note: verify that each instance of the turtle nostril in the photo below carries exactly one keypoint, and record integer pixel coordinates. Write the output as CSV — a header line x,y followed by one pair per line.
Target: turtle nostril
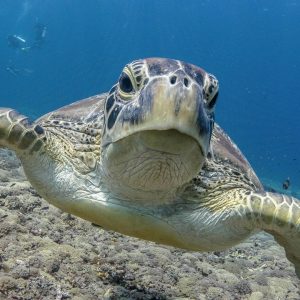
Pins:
x,y
186,82
173,79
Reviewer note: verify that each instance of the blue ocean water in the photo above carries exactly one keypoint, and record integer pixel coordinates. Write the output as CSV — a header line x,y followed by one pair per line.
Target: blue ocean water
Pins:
x,y
253,47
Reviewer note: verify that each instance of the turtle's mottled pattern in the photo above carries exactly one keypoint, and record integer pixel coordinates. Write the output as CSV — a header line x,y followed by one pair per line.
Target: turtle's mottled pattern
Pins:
x,y
148,160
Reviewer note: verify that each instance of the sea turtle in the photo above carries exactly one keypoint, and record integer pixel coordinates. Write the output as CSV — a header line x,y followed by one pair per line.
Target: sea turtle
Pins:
x,y
148,160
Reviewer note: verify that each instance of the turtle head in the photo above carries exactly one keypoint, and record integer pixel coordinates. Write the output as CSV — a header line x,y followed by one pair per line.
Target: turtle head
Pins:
x,y
158,123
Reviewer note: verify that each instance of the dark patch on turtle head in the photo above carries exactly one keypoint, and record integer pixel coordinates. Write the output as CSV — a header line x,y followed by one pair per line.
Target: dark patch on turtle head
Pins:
x,y
194,72
112,117
109,103
161,66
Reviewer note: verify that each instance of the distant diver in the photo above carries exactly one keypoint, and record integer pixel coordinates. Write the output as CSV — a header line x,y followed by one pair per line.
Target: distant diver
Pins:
x,y
12,70
40,35
16,71
16,41
286,184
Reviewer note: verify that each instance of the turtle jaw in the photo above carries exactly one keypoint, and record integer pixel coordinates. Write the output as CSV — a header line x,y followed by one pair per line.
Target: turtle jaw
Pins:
x,y
151,161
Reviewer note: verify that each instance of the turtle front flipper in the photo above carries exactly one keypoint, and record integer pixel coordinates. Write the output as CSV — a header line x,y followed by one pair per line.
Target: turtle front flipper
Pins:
x,y
278,215
18,133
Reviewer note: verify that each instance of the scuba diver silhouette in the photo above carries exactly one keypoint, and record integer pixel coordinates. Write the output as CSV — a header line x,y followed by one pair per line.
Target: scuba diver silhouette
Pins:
x,y
16,41
40,35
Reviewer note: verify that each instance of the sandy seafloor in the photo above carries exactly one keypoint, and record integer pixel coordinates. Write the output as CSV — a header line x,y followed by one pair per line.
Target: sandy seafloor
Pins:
x,y
48,254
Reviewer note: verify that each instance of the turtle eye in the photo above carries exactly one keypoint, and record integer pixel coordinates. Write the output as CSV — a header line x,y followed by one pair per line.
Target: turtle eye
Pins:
x,y
211,91
125,83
